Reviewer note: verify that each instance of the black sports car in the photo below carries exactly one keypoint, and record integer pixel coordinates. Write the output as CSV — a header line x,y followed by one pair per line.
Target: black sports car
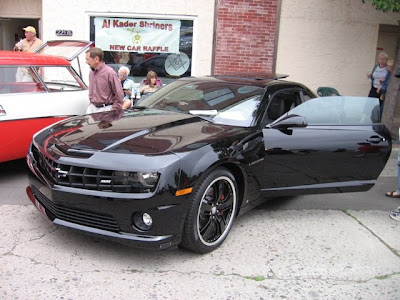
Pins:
x,y
182,164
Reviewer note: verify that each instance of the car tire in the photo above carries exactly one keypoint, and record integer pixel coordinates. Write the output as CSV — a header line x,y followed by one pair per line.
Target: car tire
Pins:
x,y
211,213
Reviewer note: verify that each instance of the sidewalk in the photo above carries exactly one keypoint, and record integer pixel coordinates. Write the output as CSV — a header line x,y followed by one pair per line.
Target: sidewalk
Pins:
x,y
307,254
271,253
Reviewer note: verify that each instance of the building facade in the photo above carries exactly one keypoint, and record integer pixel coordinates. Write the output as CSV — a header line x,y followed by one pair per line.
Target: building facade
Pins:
x,y
318,43
334,43
246,36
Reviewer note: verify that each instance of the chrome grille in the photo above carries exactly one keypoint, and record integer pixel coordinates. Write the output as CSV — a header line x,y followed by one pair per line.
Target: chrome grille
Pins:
x,y
86,218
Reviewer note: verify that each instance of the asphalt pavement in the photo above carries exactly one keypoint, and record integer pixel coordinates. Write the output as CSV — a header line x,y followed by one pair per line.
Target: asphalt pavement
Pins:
x,y
334,246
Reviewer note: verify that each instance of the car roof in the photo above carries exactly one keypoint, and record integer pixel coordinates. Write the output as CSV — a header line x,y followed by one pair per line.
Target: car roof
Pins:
x,y
261,80
16,58
272,82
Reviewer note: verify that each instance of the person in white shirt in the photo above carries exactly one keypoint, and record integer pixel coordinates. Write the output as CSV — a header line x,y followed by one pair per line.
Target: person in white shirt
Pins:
x,y
128,85
377,75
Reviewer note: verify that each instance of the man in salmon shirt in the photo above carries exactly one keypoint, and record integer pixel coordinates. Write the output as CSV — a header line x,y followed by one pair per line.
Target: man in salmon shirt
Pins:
x,y
105,89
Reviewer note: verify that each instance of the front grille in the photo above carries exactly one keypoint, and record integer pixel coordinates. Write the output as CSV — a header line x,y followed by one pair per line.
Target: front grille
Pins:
x,y
86,218
85,178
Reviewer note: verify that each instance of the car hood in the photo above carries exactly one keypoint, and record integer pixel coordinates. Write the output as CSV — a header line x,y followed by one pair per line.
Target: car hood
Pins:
x,y
141,132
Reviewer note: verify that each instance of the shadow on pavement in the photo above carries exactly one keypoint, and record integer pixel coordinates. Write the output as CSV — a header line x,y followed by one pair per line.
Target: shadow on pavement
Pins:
x,y
13,167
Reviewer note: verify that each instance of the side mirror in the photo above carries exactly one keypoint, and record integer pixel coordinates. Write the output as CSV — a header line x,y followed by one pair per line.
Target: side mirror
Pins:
x,y
288,121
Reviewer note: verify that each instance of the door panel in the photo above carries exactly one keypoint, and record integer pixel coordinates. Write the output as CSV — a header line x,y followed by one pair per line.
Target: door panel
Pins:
x,y
342,148
317,158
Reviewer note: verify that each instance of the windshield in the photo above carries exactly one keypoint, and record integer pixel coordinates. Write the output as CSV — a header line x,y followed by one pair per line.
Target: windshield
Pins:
x,y
219,102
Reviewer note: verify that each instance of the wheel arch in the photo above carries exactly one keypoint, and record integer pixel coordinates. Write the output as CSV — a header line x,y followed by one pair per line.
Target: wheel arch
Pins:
x,y
196,166
237,172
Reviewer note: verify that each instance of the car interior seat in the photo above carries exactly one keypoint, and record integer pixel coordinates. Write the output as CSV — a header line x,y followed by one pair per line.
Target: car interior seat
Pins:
x,y
276,109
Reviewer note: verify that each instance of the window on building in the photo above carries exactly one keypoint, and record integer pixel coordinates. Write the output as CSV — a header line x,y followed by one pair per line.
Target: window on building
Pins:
x,y
163,46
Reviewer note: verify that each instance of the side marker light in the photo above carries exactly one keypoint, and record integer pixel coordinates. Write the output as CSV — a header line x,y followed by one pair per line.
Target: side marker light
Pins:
x,y
184,192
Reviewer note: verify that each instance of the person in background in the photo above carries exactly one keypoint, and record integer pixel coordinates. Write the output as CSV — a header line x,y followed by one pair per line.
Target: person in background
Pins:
x,y
378,72
384,82
150,84
105,89
28,44
128,86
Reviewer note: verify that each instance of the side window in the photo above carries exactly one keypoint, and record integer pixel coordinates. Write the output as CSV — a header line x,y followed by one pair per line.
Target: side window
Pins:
x,y
14,80
280,103
340,110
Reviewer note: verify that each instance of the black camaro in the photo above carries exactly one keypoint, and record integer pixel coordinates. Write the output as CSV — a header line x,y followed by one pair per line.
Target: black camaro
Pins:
x,y
179,166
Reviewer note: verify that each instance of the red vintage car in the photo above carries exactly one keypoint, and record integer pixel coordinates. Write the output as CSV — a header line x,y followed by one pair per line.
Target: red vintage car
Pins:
x,y
38,89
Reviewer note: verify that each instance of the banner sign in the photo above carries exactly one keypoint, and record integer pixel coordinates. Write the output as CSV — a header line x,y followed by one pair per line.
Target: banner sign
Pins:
x,y
137,35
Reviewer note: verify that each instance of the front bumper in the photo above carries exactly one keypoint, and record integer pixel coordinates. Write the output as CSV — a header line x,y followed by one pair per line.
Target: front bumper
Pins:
x,y
110,215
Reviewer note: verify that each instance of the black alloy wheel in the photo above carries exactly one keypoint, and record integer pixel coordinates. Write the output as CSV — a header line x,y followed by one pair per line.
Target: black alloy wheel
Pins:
x,y
212,212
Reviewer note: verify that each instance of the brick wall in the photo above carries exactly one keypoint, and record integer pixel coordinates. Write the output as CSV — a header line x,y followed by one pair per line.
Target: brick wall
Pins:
x,y
245,36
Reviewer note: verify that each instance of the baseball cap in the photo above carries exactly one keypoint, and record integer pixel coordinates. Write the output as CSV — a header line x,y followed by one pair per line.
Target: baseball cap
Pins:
x,y
30,29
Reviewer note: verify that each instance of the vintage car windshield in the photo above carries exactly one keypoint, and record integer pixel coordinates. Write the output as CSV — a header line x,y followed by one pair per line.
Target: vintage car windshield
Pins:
x,y
220,103
342,110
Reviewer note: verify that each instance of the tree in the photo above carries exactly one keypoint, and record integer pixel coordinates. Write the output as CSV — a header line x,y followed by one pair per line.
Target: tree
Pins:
x,y
385,5
391,109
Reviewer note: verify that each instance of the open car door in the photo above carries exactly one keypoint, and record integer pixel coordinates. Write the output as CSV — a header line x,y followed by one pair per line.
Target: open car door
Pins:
x,y
324,145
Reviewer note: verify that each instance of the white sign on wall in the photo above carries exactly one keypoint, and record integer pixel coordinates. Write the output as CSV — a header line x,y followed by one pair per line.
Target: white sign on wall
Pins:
x,y
137,35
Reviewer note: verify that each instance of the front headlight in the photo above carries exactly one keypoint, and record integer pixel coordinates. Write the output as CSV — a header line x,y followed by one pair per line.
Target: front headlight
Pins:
x,y
142,182
148,179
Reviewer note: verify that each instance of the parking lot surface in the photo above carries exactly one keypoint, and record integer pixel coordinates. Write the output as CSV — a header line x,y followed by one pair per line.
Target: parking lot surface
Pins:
x,y
335,246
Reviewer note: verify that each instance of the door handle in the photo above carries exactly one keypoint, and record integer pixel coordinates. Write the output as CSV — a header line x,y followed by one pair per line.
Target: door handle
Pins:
x,y
375,139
